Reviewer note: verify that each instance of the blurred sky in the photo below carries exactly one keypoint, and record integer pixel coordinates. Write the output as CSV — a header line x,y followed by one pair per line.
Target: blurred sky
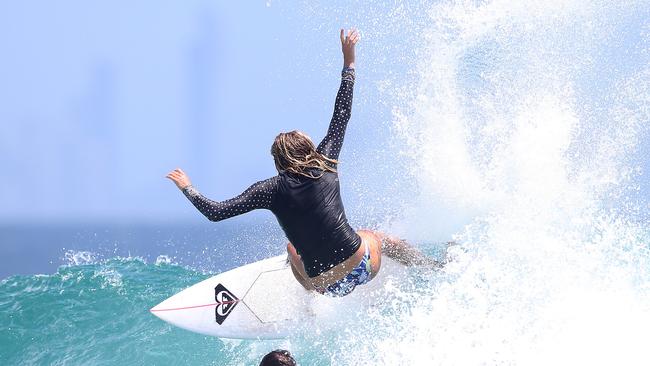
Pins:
x,y
99,100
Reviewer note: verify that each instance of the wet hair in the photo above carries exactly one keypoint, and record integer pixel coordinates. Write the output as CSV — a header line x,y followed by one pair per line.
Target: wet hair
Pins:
x,y
295,152
279,357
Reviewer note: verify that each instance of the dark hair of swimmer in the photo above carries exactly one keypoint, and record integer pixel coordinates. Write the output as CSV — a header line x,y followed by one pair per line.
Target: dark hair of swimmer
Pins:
x,y
279,357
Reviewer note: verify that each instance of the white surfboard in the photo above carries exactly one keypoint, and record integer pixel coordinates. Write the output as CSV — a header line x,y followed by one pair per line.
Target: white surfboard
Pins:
x,y
263,300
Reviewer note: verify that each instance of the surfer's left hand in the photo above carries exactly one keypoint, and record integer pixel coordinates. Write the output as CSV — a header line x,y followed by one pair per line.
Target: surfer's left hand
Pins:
x,y
179,178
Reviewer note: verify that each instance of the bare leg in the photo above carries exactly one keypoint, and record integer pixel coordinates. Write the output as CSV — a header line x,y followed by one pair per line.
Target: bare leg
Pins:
x,y
404,253
306,284
298,269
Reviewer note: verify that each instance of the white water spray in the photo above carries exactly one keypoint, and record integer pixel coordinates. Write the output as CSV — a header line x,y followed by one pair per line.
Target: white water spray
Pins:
x,y
520,131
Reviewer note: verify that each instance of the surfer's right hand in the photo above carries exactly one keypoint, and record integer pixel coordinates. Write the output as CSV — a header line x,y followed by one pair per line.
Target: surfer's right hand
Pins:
x,y
179,178
347,46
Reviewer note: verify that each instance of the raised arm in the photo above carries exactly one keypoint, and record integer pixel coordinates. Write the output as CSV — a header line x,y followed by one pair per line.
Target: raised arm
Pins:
x,y
259,195
333,140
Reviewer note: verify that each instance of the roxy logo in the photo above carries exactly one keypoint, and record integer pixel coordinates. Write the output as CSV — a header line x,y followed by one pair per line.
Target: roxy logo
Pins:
x,y
226,302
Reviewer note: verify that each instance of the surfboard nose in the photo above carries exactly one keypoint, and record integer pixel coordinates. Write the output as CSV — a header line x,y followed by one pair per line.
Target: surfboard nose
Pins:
x,y
171,311
168,309
154,309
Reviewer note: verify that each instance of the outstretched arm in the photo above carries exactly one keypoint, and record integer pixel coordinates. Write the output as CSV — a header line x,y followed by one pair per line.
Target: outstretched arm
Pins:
x,y
259,195
333,141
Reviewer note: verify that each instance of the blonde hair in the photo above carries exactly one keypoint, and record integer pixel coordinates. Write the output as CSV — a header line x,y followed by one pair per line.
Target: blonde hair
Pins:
x,y
295,152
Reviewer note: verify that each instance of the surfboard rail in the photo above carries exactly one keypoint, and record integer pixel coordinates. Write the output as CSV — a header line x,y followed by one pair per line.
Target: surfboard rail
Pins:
x,y
260,300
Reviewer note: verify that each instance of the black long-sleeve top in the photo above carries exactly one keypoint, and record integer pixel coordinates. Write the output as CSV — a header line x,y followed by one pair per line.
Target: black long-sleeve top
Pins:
x,y
309,210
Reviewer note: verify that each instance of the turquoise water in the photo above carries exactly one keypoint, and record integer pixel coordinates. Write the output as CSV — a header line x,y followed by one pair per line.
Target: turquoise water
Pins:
x,y
98,314
95,311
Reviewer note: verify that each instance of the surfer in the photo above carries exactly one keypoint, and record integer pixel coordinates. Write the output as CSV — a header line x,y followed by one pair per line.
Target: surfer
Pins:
x,y
325,253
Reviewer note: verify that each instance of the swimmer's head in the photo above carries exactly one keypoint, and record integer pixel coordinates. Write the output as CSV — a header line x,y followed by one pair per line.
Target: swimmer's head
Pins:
x,y
295,152
279,357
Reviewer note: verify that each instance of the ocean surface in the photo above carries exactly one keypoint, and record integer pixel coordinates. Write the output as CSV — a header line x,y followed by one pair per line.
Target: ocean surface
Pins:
x,y
84,291
521,132
88,303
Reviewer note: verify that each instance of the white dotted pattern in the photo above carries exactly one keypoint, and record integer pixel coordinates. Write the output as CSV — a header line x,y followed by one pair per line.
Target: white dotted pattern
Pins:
x,y
333,141
259,195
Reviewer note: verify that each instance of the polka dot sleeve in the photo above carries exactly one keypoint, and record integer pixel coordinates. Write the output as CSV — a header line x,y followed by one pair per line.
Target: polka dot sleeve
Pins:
x,y
333,141
259,195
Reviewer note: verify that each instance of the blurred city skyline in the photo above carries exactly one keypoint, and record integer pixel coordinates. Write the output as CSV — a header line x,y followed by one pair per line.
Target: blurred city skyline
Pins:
x,y
100,101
